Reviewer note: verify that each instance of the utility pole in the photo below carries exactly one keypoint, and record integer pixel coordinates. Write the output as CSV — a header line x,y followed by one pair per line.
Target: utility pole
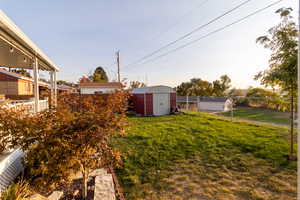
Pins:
x,y
298,113
118,61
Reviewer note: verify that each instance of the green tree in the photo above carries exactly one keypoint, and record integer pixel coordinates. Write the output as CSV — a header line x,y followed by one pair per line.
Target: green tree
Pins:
x,y
234,92
199,87
282,72
220,86
62,82
260,97
195,87
22,72
99,75
136,84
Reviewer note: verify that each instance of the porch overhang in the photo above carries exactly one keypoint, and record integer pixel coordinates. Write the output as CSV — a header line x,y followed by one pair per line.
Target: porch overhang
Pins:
x,y
18,51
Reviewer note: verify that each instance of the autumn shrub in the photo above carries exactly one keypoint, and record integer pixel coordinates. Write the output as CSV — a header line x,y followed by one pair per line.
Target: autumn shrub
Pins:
x,y
74,137
17,191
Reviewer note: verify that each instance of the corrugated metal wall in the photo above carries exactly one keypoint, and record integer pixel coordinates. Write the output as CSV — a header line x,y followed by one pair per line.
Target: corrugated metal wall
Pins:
x,y
138,103
149,104
172,100
10,168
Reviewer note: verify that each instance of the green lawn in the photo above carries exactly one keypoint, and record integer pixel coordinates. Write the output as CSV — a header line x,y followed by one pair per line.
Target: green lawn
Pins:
x,y
260,114
201,156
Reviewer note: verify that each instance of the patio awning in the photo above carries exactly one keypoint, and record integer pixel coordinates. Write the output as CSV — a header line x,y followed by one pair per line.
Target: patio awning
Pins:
x,y
17,50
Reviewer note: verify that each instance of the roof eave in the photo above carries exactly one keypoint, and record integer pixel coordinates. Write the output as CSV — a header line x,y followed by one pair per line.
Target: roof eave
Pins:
x,y
16,33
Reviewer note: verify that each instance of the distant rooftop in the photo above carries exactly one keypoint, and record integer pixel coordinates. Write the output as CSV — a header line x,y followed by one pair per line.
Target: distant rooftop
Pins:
x,y
20,76
101,84
201,99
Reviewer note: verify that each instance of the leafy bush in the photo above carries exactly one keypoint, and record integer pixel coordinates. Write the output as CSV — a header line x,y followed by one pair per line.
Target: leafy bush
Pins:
x,y
72,138
16,191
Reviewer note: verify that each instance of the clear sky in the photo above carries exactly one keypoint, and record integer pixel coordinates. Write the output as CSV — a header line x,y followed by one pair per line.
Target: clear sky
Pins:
x,y
81,35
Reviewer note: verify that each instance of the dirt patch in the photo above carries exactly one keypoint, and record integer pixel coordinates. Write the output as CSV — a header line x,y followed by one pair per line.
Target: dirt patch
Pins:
x,y
73,191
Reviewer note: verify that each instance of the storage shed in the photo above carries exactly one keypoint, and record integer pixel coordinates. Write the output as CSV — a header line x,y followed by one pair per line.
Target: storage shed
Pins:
x,y
155,100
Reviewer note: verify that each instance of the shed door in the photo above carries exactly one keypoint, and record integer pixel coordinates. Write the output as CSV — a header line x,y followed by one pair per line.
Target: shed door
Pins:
x,y
161,104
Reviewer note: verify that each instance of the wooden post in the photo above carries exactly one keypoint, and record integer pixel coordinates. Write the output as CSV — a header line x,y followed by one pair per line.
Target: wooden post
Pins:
x,y
55,88
118,61
145,102
231,106
198,101
187,102
52,89
36,85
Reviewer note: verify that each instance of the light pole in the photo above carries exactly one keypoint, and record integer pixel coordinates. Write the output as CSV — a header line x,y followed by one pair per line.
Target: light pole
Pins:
x,y
298,107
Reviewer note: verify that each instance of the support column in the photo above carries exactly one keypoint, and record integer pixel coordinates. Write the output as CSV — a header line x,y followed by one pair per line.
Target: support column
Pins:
x,y
36,85
55,88
52,89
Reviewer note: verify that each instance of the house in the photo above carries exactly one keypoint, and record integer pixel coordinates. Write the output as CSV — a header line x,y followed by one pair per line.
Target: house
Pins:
x,y
155,100
17,50
66,88
218,104
16,86
99,87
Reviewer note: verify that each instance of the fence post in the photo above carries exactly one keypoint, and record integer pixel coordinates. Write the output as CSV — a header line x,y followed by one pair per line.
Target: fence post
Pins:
x,y
198,101
231,111
187,102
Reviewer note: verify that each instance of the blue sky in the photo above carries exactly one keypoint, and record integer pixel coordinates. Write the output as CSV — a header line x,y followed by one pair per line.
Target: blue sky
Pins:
x,y
81,35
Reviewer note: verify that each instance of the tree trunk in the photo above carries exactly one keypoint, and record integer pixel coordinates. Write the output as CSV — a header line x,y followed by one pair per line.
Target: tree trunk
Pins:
x,y
84,185
292,124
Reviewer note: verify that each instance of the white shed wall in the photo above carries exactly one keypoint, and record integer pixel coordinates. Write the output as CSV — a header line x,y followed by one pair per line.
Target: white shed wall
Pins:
x,y
161,104
213,106
93,90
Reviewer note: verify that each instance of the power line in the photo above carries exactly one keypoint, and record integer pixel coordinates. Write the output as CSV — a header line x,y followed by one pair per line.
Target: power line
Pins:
x,y
179,19
190,33
211,33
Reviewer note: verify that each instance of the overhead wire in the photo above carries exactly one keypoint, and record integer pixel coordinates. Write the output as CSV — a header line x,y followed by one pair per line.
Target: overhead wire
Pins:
x,y
189,33
212,32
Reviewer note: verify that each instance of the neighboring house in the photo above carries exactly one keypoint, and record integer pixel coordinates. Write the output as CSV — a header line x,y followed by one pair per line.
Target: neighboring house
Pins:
x,y
219,104
15,84
155,100
99,87
66,88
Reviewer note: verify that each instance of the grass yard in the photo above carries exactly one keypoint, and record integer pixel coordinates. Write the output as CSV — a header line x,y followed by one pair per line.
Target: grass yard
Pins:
x,y
201,156
260,114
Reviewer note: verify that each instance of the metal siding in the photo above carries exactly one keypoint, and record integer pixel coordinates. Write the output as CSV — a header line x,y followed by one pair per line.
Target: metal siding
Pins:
x,y
10,168
149,104
161,104
172,100
138,103
212,106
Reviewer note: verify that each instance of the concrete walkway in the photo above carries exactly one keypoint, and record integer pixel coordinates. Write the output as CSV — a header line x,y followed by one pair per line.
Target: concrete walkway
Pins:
x,y
104,185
